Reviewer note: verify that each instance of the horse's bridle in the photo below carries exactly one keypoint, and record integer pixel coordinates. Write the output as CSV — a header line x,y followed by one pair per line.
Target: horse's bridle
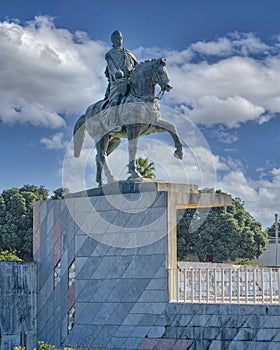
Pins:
x,y
155,77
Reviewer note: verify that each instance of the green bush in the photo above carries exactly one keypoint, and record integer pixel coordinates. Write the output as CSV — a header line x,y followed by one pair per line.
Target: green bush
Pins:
x,y
9,255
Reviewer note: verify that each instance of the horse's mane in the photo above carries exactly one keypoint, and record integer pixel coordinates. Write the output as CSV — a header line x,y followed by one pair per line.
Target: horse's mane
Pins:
x,y
139,66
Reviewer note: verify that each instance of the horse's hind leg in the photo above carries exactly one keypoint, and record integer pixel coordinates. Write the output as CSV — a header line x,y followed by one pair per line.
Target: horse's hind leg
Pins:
x,y
101,161
133,131
171,129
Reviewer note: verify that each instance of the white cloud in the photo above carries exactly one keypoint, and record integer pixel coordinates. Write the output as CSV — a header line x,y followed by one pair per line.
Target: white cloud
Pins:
x,y
47,72
221,47
54,142
261,197
231,111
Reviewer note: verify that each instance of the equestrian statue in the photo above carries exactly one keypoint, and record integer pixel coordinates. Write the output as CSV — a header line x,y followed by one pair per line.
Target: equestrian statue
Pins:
x,y
129,109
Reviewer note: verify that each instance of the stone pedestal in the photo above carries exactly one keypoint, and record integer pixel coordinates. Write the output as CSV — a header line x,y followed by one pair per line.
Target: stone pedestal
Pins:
x,y
103,257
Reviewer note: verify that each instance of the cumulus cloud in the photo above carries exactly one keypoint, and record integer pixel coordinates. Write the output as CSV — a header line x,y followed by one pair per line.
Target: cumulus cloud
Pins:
x,y
47,72
261,197
54,142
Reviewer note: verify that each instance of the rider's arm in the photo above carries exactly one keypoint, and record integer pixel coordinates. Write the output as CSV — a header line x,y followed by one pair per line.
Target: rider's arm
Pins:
x,y
115,73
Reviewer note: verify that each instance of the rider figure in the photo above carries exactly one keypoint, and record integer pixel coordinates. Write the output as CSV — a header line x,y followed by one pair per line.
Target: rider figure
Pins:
x,y
120,63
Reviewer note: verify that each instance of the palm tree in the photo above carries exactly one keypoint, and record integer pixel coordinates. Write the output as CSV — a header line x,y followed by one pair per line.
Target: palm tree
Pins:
x,y
145,168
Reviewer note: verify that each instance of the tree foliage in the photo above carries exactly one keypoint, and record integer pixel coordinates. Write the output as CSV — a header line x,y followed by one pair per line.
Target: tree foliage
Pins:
x,y
60,193
9,255
16,218
145,168
228,233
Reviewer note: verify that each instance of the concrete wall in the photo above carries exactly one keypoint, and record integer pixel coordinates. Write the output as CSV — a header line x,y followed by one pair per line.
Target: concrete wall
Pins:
x,y
18,307
118,291
100,285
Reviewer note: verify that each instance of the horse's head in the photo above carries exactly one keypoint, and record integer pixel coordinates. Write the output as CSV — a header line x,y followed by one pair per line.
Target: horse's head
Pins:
x,y
146,75
160,75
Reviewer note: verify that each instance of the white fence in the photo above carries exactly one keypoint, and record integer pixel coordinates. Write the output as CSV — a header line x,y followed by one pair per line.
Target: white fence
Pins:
x,y
229,284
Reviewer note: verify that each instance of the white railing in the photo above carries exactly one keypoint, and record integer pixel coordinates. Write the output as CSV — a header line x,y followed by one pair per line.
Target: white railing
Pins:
x,y
226,285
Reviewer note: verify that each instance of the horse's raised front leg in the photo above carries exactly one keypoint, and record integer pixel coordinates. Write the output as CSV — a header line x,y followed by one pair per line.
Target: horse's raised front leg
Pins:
x,y
171,129
101,162
133,131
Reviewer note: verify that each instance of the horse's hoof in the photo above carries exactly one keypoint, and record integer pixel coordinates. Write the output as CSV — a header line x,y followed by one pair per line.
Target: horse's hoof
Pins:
x,y
112,179
178,154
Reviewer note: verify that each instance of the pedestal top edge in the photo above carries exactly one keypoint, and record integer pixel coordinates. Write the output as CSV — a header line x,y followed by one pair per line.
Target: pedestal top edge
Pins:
x,y
135,186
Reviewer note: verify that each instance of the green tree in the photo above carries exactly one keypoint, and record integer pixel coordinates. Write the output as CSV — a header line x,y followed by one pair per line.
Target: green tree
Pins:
x,y
228,233
145,168
60,193
16,218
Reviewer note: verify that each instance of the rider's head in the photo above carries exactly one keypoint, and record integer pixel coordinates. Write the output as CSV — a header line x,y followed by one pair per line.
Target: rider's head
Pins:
x,y
116,38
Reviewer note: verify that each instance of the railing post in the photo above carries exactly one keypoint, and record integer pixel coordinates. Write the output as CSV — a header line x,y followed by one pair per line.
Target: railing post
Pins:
x,y
278,291
238,286
199,285
262,286
215,286
223,285
230,286
246,286
270,286
185,286
254,285
207,285
177,285
192,285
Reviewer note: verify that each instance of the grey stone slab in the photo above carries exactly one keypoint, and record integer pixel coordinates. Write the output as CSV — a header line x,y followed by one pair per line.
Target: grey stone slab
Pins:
x,y
85,312
120,313
157,284
144,266
89,269
156,332
100,249
149,320
201,320
124,331
80,263
119,291
157,247
141,331
246,334
148,296
86,290
267,334
149,308
135,290
132,319
273,346
216,345
247,345
111,267
50,219
43,211
272,322
104,314
85,245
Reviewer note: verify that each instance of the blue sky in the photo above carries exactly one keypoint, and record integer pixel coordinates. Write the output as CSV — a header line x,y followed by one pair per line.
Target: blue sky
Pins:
x,y
223,59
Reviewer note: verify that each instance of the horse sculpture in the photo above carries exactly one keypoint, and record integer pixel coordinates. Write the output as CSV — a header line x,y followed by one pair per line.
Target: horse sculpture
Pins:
x,y
137,115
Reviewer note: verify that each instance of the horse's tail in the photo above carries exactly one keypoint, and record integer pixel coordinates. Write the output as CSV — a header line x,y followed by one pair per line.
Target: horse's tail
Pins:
x,y
79,135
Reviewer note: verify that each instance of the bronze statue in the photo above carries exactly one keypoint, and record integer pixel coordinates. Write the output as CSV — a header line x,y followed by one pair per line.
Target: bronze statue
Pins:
x,y
129,110
120,63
